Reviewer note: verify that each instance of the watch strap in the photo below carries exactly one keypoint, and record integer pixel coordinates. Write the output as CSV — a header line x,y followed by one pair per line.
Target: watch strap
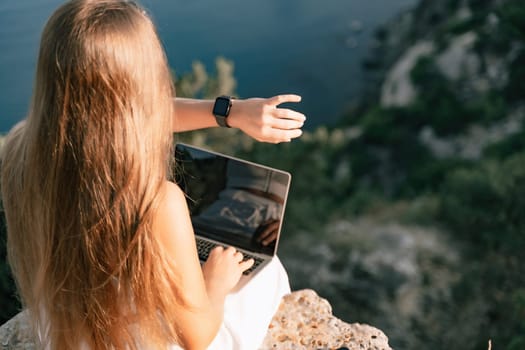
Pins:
x,y
221,121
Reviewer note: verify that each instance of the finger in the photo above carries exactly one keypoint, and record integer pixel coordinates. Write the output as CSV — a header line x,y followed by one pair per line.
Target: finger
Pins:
x,y
286,124
246,264
270,238
263,235
279,135
277,100
230,250
238,256
217,249
268,230
286,113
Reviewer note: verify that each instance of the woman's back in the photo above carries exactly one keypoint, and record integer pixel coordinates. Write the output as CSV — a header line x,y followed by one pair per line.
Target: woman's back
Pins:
x,y
81,180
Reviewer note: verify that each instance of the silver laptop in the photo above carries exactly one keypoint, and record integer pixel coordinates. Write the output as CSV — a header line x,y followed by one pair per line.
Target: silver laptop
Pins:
x,y
233,202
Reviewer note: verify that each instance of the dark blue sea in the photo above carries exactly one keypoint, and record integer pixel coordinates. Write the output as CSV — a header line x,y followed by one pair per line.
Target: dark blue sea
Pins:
x,y
310,47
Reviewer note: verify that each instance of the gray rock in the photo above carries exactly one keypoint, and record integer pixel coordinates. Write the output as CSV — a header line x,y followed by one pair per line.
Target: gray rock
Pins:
x,y
16,334
305,321
471,144
398,89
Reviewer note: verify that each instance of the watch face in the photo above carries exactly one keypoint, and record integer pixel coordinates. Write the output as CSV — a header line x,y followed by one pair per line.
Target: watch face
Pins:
x,y
221,107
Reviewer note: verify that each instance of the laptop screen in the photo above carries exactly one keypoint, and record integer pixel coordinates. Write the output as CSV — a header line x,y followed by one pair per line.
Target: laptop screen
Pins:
x,y
232,201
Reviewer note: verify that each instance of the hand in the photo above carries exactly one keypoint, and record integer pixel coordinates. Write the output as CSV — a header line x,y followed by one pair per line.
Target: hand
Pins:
x,y
267,233
223,269
264,121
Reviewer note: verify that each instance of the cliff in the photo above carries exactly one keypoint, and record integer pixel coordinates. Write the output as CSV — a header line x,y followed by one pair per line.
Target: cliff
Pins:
x,y
303,321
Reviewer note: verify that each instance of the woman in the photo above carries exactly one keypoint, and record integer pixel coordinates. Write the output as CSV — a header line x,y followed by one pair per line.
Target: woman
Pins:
x,y
100,243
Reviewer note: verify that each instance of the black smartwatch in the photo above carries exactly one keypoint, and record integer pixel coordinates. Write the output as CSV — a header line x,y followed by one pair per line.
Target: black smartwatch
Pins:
x,y
221,110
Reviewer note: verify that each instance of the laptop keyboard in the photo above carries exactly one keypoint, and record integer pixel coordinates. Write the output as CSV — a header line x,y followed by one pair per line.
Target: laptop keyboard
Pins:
x,y
204,247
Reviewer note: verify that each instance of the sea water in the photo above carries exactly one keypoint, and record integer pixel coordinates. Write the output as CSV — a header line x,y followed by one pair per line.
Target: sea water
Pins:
x,y
310,47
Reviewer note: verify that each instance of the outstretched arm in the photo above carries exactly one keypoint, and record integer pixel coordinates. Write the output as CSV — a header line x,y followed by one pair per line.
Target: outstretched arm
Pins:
x,y
260,118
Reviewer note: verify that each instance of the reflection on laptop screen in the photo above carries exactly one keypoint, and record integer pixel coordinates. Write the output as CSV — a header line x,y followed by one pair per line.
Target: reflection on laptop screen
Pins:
x,y
232,201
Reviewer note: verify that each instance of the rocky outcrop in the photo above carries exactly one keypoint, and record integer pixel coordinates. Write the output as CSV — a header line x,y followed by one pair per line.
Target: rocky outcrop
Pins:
x,y
16,334
303,321
458,37
457,61
398,89
471,144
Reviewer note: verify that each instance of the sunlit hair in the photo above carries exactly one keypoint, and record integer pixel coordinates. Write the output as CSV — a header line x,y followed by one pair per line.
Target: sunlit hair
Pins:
x,y
82,178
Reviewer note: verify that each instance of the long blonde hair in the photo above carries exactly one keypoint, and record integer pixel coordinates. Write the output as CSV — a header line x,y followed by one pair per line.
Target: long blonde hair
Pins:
x,y
82,178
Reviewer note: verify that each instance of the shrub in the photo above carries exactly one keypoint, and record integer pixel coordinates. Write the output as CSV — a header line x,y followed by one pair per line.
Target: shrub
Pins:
x,y
484,206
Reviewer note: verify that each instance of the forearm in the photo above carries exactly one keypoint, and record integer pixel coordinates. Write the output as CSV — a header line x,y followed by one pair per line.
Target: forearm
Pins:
x,y
209,323
192,114
259,118
209,317
207,313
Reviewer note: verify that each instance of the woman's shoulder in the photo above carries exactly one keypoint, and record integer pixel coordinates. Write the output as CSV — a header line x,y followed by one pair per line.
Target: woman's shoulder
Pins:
x,y
172,217
173,199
